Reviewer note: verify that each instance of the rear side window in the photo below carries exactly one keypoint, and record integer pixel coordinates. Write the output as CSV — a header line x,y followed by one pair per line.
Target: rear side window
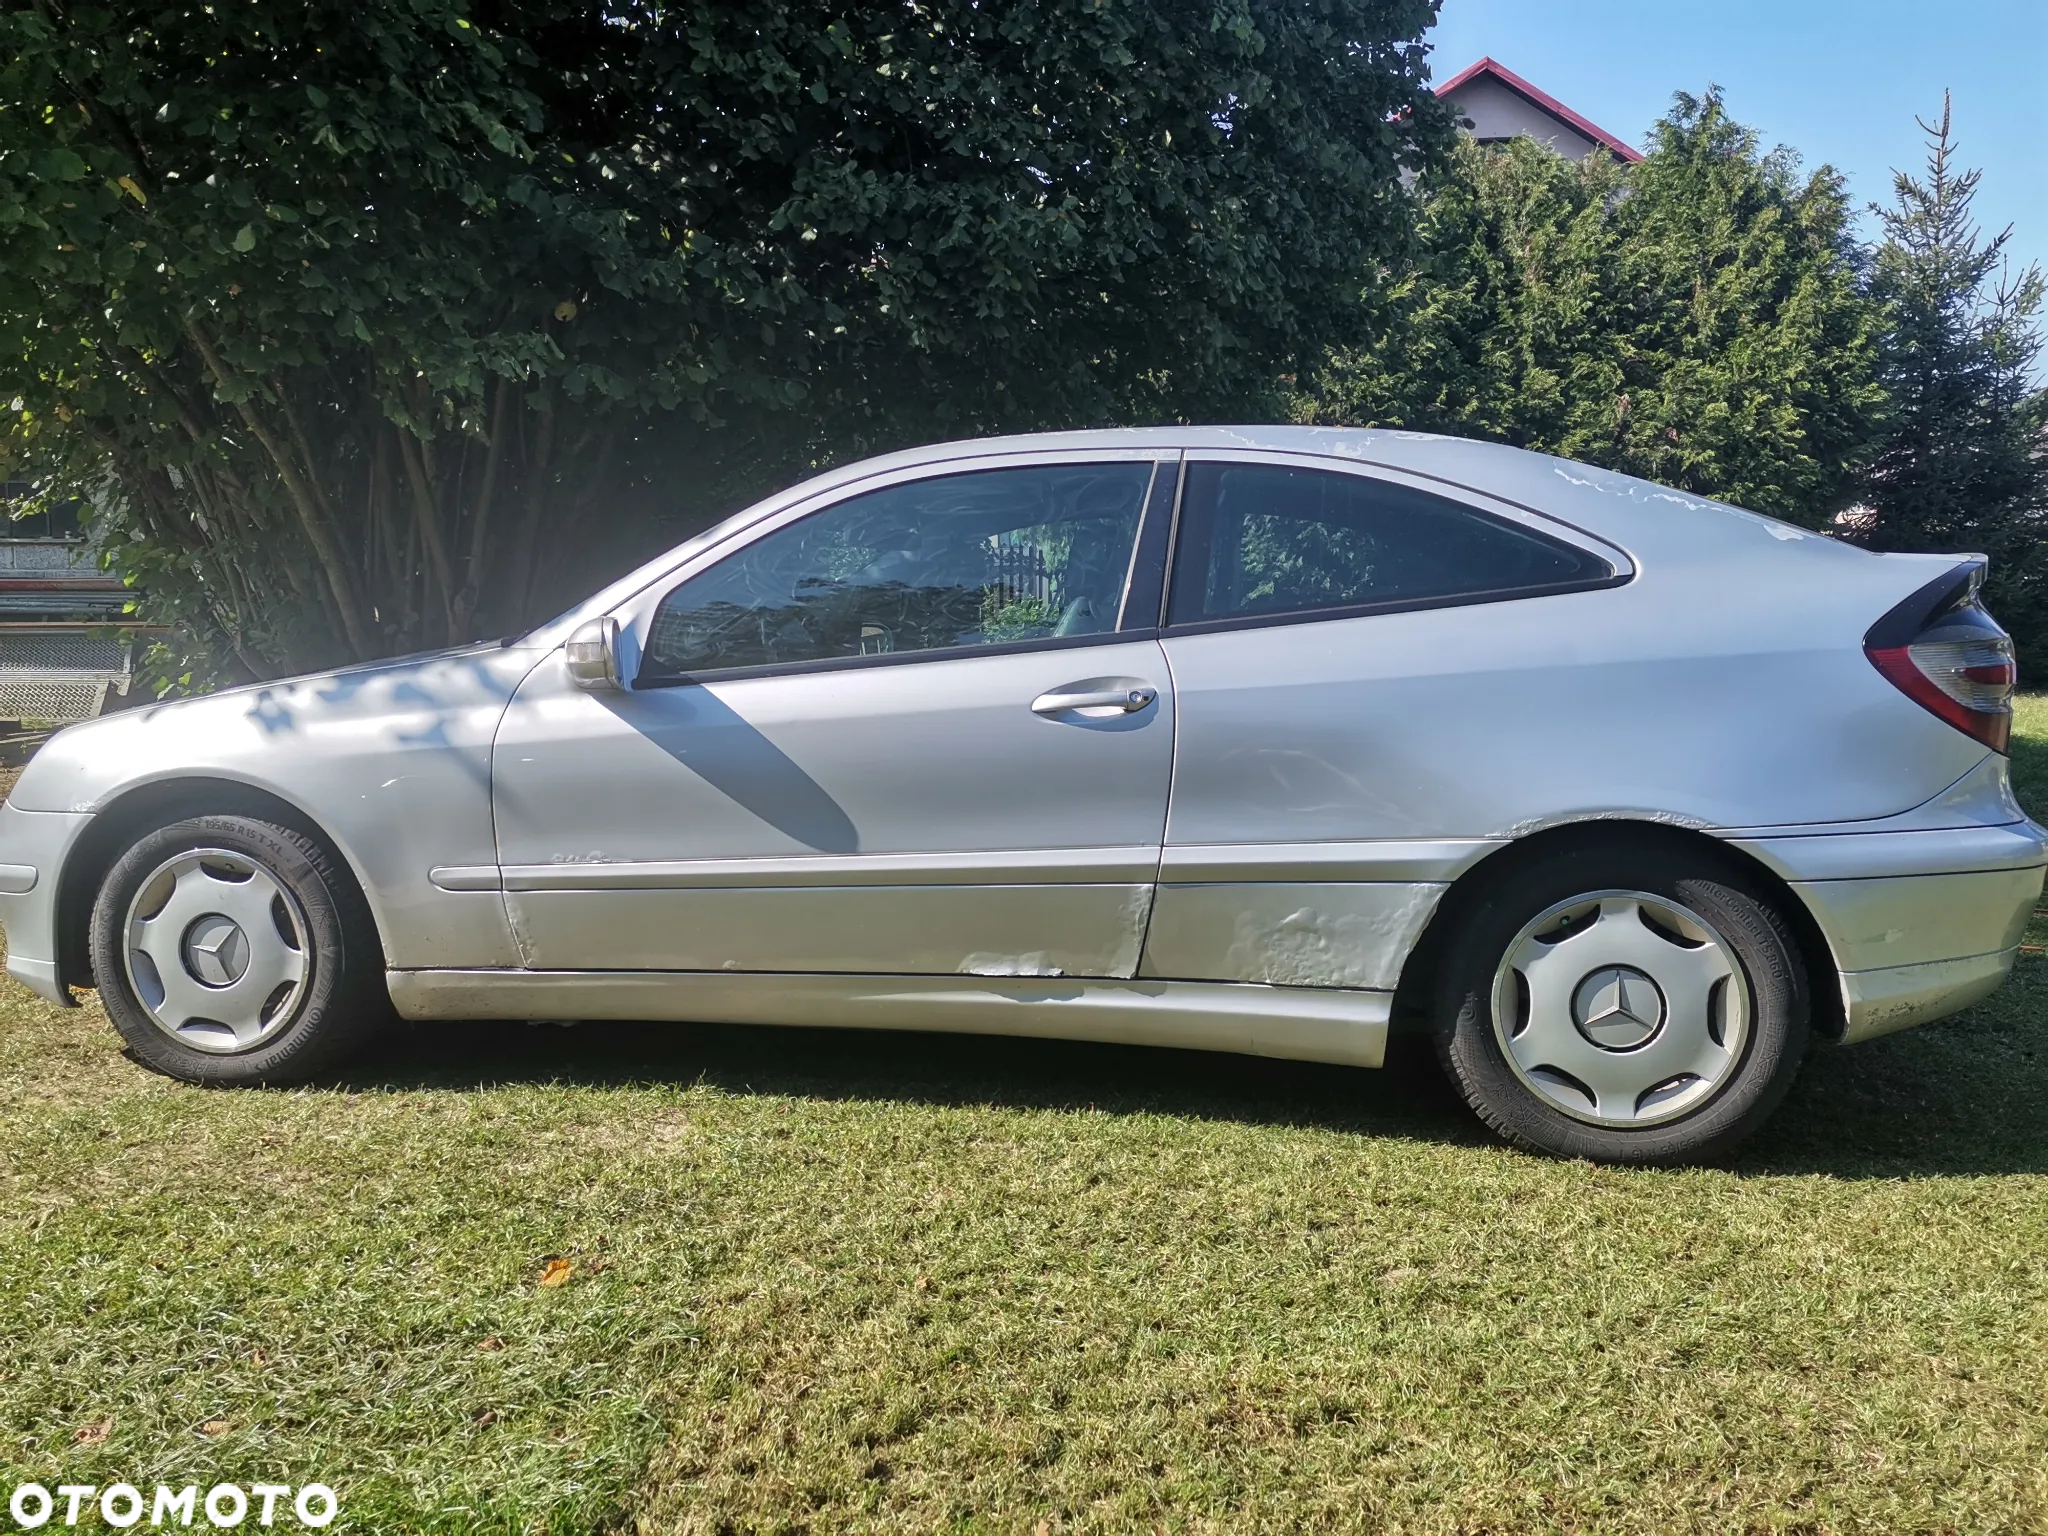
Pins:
x,y
1261,539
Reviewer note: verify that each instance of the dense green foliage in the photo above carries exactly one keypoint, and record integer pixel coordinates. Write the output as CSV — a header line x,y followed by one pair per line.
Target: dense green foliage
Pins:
x,y
1964,465
1694,318
1706,318
372,325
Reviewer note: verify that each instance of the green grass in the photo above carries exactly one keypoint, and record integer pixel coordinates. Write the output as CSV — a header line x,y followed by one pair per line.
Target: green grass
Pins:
x,y
890,1282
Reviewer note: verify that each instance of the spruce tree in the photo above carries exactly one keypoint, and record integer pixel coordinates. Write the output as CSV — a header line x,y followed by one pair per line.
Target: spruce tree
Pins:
x,y
1964,465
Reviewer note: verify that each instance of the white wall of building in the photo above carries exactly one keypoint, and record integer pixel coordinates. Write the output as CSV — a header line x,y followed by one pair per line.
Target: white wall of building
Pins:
x,y
1496,112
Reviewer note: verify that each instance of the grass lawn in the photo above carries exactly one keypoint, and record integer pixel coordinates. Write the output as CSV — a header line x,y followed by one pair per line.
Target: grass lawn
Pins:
x,y
898,1282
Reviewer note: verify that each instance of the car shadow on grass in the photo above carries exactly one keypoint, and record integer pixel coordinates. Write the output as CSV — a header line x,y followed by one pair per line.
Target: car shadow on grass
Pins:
x,y
1408,1097
1965,1097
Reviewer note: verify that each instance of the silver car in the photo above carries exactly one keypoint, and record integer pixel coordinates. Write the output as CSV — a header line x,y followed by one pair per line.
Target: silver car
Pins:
x,y
1256,739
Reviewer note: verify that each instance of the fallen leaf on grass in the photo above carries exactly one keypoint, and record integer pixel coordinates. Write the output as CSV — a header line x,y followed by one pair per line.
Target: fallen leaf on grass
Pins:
x,y
258,1359
94,1434
492,1344
214,1427
556,1272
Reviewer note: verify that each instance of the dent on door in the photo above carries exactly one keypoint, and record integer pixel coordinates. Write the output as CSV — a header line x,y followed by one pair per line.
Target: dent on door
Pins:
x,y
1288,934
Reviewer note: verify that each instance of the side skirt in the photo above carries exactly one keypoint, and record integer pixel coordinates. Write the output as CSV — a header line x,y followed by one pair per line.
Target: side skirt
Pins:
x,y
1297,1023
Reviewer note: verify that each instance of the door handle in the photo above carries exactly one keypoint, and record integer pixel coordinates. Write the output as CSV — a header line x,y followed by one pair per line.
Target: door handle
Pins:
x,y
1109,695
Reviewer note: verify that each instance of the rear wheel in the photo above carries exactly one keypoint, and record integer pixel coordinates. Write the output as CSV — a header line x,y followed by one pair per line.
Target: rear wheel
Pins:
x,y
229,950
1629,1004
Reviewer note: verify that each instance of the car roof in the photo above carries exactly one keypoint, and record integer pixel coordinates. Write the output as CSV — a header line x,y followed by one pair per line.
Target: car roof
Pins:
x,y
1651,523
1639,515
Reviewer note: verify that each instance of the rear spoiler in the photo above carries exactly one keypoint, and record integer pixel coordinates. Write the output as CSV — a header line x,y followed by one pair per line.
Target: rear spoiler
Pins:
x,y
1951,589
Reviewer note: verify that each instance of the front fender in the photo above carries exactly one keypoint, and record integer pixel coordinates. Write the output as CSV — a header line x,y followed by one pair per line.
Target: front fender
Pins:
x,y
391,763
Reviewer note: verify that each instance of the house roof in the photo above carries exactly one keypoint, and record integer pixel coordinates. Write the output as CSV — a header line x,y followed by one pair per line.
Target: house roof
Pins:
x,y
1543,102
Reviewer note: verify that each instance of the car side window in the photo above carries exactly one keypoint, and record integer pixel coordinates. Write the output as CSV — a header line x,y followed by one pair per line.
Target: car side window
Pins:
x,y
956,561
1275,539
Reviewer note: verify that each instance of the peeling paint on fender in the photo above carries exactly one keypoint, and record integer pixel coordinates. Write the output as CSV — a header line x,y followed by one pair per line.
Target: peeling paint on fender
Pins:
x,y
1523,829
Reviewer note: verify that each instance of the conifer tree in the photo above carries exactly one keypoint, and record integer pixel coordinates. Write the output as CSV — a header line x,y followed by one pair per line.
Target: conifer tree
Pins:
x,y
1695,318
1964,465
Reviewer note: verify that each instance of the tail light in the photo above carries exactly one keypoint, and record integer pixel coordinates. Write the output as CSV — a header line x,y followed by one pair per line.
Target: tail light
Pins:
x,y
1945,653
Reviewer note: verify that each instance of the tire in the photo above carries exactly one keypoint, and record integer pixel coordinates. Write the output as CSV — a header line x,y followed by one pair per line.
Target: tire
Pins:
x,y
1546,1026
231,951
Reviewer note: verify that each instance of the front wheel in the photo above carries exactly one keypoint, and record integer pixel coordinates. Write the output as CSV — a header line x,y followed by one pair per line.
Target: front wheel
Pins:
x,y
231,951
1626,1004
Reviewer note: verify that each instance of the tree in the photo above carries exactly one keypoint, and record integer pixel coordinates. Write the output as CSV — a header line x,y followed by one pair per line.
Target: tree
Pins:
x,y
376,325
1965,464
1694,318
1499,322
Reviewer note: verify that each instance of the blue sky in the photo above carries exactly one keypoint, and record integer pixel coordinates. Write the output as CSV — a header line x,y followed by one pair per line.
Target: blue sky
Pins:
x,y
1838,80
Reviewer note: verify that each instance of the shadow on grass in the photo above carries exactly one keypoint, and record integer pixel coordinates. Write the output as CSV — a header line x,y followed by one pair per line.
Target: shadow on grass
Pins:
x,y
1966,1097
1408,1097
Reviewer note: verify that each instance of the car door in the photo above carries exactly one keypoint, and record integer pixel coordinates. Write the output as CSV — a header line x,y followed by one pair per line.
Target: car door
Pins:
x,y
919,729
1355,654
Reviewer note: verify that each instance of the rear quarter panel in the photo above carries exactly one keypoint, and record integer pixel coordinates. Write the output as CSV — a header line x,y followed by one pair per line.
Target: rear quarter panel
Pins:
x,y
1725,686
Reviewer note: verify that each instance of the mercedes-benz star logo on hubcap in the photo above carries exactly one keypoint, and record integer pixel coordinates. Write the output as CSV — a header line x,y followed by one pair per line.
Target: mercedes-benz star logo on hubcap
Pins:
x,y
1617,1008
217,951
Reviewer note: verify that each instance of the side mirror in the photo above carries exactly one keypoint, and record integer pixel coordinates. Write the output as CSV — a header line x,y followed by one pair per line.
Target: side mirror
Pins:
x,y
592,656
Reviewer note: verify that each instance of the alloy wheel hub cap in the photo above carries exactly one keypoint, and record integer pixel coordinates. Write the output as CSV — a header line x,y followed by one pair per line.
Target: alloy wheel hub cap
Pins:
x,y
1621,1008
219,951
1618,1008
216,950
